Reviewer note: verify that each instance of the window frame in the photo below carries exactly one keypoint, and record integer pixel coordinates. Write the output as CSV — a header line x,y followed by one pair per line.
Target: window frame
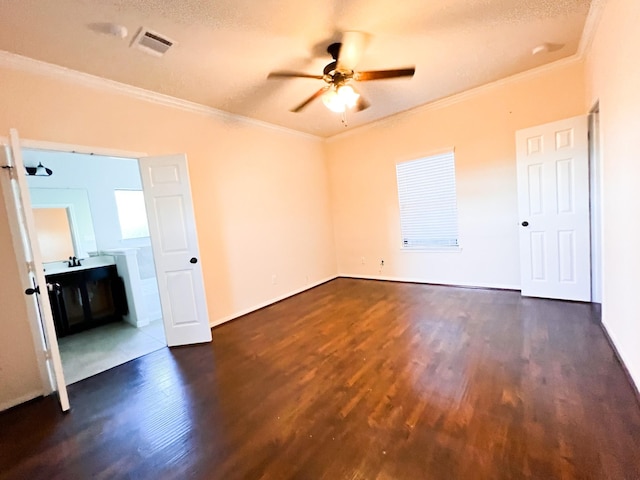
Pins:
x,y
122,233
451,191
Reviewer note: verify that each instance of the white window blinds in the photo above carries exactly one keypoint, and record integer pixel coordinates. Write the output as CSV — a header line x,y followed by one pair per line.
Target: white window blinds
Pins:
x,y
428,207
132,213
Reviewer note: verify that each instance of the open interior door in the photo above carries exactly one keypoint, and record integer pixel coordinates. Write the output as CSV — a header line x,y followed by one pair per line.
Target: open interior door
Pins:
x,y
167,194
553,200
18,202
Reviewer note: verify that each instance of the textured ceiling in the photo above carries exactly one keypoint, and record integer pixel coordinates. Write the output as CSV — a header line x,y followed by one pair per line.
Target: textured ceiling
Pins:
x,y
226,48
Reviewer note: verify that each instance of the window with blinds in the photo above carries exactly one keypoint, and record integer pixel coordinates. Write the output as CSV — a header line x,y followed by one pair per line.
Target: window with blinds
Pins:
x,y
132,214
428,207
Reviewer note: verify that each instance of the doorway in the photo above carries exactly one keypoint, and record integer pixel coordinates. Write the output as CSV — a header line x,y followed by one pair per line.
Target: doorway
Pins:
x,y
100,322
174,239
595,203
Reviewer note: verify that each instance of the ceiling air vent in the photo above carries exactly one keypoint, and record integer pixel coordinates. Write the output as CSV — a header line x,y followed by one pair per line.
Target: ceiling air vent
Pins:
x,y
151,42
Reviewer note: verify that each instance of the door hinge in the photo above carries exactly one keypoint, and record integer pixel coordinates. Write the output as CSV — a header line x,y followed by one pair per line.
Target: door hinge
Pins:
x,y
47,354
7,167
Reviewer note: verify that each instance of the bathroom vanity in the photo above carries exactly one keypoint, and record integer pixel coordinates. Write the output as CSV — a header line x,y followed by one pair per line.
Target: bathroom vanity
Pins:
x,y
85,296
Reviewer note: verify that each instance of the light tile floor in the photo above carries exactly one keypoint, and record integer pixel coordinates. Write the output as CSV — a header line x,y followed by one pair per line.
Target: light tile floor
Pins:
x,y
87,353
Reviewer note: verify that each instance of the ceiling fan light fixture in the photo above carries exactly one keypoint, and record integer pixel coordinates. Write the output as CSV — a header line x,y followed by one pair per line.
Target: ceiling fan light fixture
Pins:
x,y
333,102
338,99
348,96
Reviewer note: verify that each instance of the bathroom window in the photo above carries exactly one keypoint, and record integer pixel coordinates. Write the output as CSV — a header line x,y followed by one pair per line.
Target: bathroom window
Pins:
x,y
132,214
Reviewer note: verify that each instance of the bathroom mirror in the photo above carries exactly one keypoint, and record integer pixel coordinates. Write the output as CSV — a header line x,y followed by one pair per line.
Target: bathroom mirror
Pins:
x,y
54,233
52,206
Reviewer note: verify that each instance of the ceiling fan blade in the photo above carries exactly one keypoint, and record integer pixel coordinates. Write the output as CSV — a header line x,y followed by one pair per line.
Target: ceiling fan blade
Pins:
x,y
353,46
384,74
310,99
287,74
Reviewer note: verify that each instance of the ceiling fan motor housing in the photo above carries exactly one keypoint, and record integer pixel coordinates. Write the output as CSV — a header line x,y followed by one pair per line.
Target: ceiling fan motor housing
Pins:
x,y
334,50
331,75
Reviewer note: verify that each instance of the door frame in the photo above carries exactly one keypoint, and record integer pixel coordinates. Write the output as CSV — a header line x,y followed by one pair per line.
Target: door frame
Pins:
x,y
48,386
595,202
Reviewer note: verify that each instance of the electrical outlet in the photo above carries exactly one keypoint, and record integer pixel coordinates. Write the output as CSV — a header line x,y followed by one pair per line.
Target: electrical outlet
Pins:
x,y
274,279
362,260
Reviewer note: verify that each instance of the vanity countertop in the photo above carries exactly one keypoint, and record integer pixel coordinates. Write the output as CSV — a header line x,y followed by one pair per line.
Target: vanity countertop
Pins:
x,y
53,268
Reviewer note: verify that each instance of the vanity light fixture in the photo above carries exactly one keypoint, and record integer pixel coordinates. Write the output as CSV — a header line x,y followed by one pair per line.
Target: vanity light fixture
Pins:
x,y
39,171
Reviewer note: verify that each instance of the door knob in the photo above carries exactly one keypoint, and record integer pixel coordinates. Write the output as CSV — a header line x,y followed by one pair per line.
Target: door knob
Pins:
x,y
525,224
31,291
193,260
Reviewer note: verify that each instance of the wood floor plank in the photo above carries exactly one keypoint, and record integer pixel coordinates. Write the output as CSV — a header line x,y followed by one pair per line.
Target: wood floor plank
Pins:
x,y
353,379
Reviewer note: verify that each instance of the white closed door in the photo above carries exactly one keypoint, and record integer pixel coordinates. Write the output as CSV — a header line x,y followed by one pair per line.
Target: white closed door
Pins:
x,y
25,242
553,204
174,240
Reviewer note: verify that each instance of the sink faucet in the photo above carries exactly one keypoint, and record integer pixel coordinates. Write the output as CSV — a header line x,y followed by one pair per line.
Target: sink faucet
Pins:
x,y
74,262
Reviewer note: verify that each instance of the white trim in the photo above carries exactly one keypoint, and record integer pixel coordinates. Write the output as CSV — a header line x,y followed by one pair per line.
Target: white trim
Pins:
x,y
30,65
591,26
595,201
241,313
462,96
220,321
436,152
23,398
622,355
26,64
71,148
81,149
35,327
30,263
451,249
496,286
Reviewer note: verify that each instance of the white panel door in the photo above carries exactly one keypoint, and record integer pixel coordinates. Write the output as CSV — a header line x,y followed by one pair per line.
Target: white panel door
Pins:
x,y
18,203
553,202
174,240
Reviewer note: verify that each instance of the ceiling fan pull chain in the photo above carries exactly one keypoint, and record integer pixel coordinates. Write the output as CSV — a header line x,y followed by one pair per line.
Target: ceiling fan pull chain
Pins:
x,y
344,118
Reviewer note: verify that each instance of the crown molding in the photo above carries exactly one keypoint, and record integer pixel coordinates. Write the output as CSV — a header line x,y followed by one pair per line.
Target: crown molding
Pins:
x,y
30,65
462,96
588,34
591,26
38,67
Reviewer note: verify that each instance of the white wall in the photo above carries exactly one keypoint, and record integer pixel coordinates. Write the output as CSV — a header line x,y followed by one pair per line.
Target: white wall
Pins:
x,y
481,126
99,176
260,193
613,80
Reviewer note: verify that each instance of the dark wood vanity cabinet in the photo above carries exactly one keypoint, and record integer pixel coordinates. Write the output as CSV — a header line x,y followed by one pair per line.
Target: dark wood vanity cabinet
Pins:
x,y
86,298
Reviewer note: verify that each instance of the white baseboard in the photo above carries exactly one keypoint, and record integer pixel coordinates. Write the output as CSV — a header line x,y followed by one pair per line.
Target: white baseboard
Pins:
x,y
21,399
363,277
614,342
496,286
269,302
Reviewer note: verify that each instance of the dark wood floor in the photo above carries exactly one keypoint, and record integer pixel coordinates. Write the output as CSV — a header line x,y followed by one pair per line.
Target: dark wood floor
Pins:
x,y
352,380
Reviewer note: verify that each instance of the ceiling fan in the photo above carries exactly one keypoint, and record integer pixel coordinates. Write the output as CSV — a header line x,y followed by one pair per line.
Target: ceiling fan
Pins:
x,y
338,94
